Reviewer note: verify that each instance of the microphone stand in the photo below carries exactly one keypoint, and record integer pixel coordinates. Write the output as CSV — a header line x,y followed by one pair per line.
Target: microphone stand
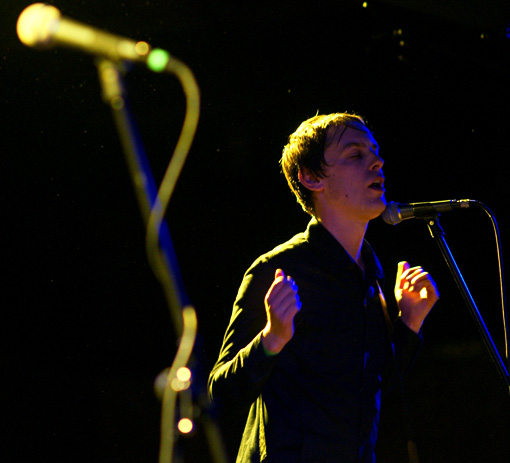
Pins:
x,y
161,255
438,234
145,186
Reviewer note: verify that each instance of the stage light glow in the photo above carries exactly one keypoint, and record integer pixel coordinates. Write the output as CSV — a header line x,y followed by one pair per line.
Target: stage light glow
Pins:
x,y
185,425
158,59
182,379
183,374
142,48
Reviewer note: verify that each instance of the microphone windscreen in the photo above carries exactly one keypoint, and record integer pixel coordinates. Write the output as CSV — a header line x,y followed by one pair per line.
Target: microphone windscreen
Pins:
x,y
391,214
37,24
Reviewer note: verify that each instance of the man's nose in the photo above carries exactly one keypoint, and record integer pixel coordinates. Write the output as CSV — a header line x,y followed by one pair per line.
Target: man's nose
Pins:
x,y
377,162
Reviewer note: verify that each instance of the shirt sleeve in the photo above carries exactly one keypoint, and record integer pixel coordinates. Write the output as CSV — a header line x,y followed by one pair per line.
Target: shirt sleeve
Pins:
x,y
242,368
405,347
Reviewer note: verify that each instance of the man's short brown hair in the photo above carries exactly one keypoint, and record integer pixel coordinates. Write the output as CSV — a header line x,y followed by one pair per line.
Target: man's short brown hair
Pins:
x,y
305,151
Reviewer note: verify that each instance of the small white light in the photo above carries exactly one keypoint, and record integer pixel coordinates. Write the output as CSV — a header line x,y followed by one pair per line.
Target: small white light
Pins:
x,y
185,425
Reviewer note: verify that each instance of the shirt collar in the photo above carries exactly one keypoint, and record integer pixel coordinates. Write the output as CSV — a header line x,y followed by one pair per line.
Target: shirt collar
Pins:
x,y
336,257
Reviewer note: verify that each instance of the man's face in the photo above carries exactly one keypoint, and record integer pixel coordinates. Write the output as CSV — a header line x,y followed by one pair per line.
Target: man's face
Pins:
x,y
354,182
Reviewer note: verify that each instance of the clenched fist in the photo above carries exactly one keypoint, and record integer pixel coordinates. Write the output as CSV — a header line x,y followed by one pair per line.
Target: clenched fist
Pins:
x,y
282,304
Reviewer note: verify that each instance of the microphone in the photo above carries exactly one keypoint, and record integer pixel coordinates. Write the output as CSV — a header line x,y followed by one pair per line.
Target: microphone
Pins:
x,y
41,26
396,212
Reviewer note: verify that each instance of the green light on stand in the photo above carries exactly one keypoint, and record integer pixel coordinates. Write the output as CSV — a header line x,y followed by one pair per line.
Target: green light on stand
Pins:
x,y
157,60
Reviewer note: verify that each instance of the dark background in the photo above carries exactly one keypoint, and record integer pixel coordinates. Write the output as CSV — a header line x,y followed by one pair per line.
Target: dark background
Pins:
x,y
86,325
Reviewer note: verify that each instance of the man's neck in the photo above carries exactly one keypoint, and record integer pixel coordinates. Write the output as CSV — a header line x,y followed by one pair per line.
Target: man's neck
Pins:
x,y
350,234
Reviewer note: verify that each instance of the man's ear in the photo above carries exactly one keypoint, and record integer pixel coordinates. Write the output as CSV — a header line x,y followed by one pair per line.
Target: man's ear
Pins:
x,y
310,181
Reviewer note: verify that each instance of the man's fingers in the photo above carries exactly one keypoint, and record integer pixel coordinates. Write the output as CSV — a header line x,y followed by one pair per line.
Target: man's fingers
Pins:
x,y
290,302
415,277
401,269
418,277
412,279
278,282
279,277
279,273
412,274
283,292
424,281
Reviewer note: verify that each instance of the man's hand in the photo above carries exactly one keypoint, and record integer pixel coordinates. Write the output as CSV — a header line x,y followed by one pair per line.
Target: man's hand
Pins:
x,y
282,304
416,294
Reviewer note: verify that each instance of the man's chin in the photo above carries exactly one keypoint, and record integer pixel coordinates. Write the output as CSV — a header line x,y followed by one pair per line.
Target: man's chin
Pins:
x,y
380,206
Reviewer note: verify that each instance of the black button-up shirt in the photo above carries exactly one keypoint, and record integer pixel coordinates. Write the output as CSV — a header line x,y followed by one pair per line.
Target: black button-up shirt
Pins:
x,y
318,400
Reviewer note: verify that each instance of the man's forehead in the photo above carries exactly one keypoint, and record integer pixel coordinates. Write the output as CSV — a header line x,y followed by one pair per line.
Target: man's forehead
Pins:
x,y
336,133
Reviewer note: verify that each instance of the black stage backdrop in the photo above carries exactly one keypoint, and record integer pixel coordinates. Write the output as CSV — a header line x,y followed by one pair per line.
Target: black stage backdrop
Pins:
x,y
86,325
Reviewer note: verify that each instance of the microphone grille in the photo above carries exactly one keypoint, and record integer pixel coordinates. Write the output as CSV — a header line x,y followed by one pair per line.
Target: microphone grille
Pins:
x,y
391,214
37,23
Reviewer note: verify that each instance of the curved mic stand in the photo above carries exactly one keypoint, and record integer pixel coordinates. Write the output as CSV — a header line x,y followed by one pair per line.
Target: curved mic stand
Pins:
x,y
139,168
437,233
160,251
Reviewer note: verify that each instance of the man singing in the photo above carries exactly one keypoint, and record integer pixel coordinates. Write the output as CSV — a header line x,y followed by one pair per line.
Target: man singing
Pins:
x,y
308,348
